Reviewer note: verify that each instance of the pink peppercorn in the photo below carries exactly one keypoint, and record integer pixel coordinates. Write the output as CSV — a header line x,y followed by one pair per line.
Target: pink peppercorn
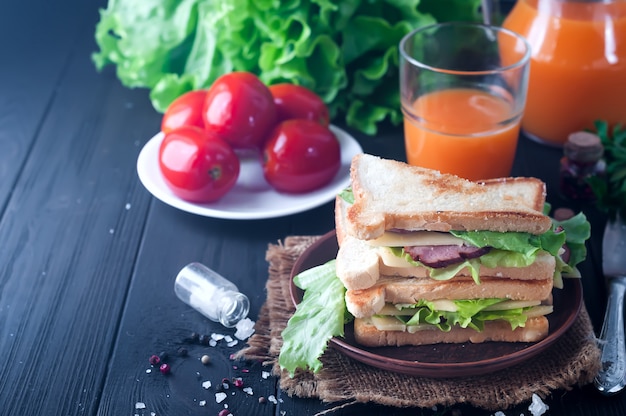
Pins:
x,y
223,412
238,382
164,368
154,360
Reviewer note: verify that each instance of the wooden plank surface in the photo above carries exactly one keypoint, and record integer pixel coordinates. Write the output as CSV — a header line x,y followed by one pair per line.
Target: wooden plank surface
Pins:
x,y
88,257
73,223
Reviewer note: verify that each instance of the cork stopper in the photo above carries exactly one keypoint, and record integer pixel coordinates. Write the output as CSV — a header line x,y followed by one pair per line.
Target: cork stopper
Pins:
x,y
583,146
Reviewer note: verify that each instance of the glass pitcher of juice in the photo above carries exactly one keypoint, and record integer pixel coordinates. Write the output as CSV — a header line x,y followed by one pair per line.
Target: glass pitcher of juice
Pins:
x,y
577,66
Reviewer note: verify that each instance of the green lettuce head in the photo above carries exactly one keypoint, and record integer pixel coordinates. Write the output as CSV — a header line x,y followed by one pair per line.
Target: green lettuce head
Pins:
x,y
345,51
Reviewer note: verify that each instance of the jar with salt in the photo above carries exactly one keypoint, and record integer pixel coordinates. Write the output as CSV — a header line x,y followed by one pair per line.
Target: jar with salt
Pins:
x,y
211,294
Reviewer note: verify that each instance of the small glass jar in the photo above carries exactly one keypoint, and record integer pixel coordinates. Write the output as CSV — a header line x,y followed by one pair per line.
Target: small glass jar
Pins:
x,y
582,159
211,294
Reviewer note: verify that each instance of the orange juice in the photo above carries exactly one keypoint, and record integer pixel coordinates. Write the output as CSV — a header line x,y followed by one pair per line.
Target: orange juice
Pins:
x,y
464,131
577,66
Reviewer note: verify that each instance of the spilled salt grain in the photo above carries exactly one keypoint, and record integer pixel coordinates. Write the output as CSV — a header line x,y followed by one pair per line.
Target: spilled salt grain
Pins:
x,y
220,397
228,338
248,390
499,414
140,405
212,343
217,337
206,384
265,375
271,398
537,407
233,343
245,328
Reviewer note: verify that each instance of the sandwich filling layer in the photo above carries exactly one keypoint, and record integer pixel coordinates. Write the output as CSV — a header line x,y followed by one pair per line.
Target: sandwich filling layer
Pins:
x,y
445,314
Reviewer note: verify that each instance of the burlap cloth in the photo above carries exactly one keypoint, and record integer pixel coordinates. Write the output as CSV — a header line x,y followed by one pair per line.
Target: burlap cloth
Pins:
x,y
572,360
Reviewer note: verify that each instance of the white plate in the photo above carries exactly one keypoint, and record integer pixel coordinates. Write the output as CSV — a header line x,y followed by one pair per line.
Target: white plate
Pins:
x,y
251,197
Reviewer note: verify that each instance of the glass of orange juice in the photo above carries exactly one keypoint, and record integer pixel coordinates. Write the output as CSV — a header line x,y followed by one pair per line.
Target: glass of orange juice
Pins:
x,y
463,90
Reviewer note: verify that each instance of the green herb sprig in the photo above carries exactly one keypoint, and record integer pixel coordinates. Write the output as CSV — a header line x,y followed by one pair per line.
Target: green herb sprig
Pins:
x,y
610,190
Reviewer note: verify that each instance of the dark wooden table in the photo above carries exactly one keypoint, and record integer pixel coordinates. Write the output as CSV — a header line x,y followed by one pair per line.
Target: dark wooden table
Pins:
x,y
88,256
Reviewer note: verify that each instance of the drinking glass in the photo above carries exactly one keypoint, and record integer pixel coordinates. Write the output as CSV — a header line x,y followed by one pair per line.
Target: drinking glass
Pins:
x,y
463,90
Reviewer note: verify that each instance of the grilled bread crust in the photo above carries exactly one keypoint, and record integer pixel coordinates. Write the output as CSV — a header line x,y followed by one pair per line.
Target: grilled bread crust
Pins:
x,y
393,195
399,290
367,334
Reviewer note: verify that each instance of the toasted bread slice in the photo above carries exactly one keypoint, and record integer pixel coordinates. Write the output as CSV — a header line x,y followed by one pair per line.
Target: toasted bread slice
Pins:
x,y
393,195
341,227
367,334
401,290
358,264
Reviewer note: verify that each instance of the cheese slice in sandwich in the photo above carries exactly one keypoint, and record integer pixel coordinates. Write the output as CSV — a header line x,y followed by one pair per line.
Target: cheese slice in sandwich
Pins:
x,y
429,258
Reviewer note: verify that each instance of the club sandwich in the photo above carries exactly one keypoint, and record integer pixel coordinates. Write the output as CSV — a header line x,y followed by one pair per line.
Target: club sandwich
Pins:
x,y
428,257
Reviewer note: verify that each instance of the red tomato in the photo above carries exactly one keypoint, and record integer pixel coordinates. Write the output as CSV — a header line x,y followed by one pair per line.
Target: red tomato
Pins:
x,y
196,165
185,110
300,156
240,108
295,101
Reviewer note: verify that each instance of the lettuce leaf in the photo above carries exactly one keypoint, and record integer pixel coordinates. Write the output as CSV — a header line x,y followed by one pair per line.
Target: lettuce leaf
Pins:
x,y
346,51
320,316
469,314
347,195
524,243
577,231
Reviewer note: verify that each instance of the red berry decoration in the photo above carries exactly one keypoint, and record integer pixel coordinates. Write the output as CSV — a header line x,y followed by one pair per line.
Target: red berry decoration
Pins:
x,y
164,368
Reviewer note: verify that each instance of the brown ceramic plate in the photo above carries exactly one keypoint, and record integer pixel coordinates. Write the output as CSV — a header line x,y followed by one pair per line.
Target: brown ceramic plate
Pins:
x,y
443,360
